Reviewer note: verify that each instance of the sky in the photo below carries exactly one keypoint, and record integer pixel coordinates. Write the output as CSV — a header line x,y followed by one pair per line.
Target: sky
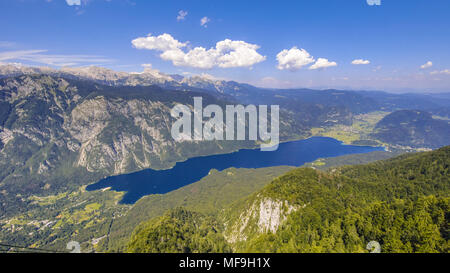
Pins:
x,y
390,45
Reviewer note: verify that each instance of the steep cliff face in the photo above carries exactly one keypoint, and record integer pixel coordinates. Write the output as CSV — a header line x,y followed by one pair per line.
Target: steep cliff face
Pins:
x,y
261,215
119,135
36,112
268,211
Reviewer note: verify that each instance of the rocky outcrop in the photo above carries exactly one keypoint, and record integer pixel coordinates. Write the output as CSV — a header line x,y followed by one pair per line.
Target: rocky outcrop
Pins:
x,y
264,215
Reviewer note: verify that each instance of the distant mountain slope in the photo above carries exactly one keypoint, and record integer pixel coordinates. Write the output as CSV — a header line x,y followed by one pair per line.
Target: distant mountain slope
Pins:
x,y
289,99
402,203
392,102
413,128
98,74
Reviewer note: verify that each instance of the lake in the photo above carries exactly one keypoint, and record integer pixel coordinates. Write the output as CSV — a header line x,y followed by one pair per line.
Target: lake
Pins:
x,y
294,153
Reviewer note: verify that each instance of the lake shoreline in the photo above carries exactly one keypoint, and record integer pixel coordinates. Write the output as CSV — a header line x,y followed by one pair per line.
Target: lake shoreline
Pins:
x,y
293,153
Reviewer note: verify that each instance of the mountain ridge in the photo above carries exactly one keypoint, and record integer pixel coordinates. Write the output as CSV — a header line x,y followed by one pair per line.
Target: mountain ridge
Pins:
x,y
241,92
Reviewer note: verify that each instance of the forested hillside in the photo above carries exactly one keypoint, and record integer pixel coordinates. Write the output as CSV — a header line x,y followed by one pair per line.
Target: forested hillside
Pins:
x,y
403,203
413,128
179,230
208,196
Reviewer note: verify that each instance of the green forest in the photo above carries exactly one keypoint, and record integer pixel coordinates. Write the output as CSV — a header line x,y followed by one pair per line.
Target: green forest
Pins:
x,y
402,203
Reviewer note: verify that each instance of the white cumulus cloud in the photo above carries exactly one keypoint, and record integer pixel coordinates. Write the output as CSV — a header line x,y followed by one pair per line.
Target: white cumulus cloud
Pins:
x,y
426,65
73,2
204,21
182,15
322,63
163,42
225,54
293,59
360,61
373,2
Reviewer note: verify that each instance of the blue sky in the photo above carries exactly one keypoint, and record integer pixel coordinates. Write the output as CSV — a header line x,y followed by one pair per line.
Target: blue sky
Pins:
x,y
396,46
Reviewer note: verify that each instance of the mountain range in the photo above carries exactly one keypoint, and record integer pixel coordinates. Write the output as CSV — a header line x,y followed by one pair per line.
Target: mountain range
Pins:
x,y
359,101
62,129
81,124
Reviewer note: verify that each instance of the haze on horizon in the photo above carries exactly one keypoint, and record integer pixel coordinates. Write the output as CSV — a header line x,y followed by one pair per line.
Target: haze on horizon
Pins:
x,y
394,46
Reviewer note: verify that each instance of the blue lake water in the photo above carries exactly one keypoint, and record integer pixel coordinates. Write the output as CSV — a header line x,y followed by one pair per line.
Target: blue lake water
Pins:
x,y
294,153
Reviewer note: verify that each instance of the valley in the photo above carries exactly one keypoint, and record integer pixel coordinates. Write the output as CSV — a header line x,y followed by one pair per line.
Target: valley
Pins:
x,y
62,130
